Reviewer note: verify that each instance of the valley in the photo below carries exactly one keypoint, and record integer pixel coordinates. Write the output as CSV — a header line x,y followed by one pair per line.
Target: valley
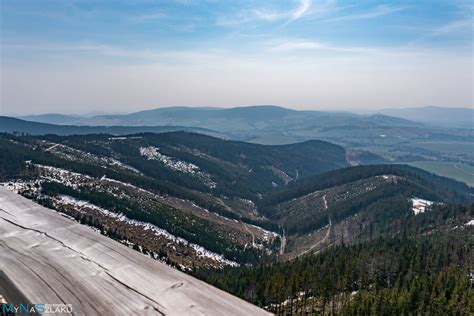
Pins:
x,y
203,205
368,138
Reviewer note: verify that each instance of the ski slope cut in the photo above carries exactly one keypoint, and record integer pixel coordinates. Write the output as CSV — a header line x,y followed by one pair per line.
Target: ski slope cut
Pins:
x,y
53,260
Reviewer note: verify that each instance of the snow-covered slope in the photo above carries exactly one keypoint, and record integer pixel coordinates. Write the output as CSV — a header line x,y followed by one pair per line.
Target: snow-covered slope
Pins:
x,y
54,260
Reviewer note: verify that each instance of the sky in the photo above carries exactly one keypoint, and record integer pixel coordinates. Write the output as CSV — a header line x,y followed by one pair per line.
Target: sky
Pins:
x,y
112,56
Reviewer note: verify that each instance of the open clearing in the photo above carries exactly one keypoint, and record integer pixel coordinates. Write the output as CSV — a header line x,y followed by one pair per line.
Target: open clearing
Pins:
x,y
450,147
274,140
458,171
51,259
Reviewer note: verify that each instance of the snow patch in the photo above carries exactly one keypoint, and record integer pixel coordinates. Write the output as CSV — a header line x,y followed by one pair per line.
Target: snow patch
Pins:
x,y
201,251
420,205
152,153
266,234
74,154
19,186
118,138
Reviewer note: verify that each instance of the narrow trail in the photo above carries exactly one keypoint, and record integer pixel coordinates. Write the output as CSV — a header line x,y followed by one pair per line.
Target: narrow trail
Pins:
x,y
328,232
253,236
319,242
283,244
52,147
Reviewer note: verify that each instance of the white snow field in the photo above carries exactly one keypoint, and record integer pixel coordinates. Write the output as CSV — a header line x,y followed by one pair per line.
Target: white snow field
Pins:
x,y
52,260
420,205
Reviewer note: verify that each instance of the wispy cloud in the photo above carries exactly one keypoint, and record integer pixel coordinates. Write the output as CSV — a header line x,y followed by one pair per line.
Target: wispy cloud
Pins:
x,y
310,48
454,26
376,12
296,45
267,15
300,10
289,16
451,30
293,45
84,48
144,18
90,50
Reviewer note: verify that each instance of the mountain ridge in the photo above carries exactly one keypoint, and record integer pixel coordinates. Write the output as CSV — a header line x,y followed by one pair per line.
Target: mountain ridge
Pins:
x,y
432,115
152,117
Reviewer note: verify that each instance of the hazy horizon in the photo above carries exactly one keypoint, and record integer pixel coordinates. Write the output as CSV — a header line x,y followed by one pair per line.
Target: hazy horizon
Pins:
x,y
137,109
120,57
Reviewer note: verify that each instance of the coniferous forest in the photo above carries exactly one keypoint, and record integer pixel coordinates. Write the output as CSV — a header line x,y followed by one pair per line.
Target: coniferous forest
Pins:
x,y
304,238
430,274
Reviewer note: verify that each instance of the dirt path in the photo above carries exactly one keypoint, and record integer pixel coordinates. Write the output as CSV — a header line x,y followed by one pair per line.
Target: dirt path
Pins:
x,y
328,232
283,244
250,232
319,242
52,147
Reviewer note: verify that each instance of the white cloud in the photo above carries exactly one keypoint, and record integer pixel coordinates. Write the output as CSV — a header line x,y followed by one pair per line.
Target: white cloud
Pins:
x,y
292,46
147,17
454,26
267,15
301,9
376,12
296,45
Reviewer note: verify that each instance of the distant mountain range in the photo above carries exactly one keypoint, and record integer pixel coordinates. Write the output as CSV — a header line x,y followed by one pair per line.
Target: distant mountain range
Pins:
x,y
260,124
433,115
263,117
402,139
52,118
14,125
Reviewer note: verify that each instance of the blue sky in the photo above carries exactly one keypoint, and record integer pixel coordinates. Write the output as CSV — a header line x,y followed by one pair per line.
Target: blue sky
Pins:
x,y
120,56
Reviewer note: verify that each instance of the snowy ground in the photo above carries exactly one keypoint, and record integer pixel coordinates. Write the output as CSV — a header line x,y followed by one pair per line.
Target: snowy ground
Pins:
x,y
420,205
74,154
152,153
262,237
53,260
201,251
34,185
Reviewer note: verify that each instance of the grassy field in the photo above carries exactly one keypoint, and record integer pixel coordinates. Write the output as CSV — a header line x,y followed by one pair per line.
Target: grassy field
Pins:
x,y
458,171
451,147
274,140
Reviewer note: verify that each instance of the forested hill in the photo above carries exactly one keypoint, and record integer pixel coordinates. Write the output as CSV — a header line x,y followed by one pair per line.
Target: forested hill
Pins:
x,y
355,204
437,186
309,233
210,164
427,270
196,187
